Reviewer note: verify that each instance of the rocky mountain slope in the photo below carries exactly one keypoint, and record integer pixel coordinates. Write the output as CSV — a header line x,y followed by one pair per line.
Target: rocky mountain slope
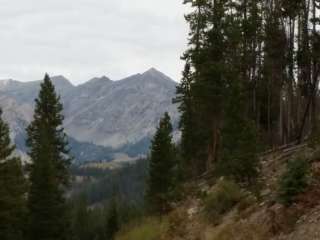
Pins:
x,y
239,214
102,117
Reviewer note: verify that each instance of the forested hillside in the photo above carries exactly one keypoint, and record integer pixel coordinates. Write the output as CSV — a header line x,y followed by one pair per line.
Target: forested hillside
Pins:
x,y
247,163
250,64
250,117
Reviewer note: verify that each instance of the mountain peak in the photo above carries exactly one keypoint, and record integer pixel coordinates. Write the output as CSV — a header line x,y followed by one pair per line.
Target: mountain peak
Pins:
x,y
153,71
96,82
99,79
61,80
155,75
7,83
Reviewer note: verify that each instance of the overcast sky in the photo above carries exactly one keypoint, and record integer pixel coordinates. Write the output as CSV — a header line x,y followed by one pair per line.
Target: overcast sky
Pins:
x,y
81,39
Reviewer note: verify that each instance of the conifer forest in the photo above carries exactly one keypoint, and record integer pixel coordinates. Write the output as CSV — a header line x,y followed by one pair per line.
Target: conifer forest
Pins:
x,y
242,163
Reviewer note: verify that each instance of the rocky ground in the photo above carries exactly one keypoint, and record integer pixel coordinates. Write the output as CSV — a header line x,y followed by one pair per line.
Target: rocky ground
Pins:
x,y
262,219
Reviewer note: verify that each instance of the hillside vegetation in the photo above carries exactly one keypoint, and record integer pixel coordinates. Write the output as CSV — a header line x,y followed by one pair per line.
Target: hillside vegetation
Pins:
x,y
246,165
219,209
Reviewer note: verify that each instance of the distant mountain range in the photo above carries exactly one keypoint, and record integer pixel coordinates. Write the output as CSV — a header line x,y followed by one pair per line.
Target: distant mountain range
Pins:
x,y
105,119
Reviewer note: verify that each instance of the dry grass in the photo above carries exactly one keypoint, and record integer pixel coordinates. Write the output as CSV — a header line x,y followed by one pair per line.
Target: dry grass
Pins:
x,y
148,229
237,231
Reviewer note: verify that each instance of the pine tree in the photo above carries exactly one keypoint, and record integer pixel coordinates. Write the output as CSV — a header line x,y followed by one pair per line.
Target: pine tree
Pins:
x,y
201,91
161,171
81,219
274,76
194,140
112,220
49,171
270,49
294,180
210,83
240,144
188,125
12,189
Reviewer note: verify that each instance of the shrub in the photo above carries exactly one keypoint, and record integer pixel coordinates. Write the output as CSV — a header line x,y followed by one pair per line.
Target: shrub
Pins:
x,y
315,156
246,202
149,229
177,224
314,139
294,180
225,195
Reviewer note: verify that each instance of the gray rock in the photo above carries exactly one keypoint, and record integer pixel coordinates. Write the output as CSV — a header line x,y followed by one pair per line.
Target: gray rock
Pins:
x,y
111,114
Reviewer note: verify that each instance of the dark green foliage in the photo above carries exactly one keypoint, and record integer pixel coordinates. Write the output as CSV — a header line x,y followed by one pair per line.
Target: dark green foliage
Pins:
x,y
211,80
160,185
294,181
92,198
98,184
88,222
82,221
217,65
314,140
266,49
225,195
100,221
240,153
112,220
49,171
12,189
274,68
191,136
191,93
240,143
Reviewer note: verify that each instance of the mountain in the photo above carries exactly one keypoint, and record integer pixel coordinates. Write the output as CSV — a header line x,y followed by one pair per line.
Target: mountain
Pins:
x,y
117,113
25,92
102,117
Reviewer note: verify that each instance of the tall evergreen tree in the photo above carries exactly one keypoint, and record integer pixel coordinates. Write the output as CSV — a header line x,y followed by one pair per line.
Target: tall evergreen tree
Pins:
x,y
237,154
112,220
12,189
49,171
210,84
268,48
240,144
161,171
202,88
188,125
194,142
81,220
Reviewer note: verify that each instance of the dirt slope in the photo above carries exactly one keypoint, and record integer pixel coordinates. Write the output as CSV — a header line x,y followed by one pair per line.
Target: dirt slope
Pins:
x,y
263,219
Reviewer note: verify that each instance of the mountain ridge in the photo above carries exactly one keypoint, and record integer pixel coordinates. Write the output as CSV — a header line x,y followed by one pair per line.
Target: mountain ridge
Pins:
x,y
54,77
115,116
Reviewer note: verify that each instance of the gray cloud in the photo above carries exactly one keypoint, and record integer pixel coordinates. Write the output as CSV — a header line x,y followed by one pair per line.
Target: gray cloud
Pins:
x,y
86,38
